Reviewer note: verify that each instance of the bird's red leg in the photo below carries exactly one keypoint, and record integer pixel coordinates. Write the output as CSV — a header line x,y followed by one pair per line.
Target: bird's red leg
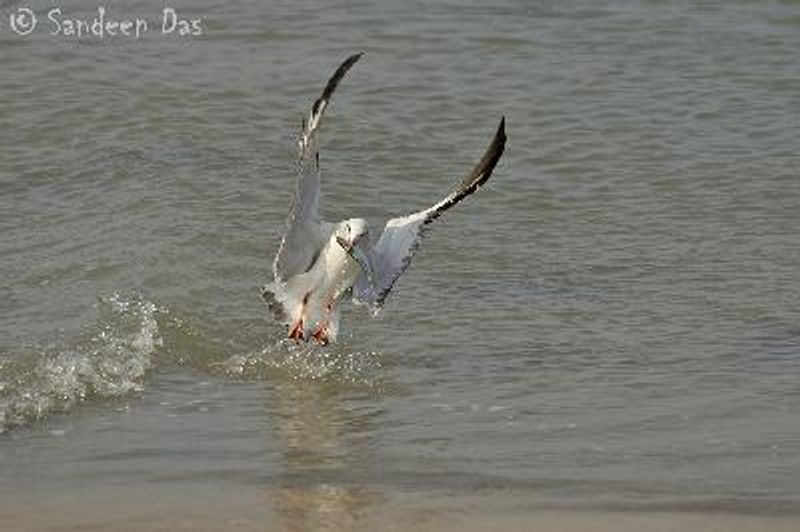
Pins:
x,y
321,334
297,333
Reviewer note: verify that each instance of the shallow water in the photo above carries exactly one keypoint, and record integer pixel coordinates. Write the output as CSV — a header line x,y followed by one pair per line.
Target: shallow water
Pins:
x,y
612,320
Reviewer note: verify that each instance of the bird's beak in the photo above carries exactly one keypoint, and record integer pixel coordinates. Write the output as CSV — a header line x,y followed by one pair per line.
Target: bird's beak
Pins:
x,y
347,246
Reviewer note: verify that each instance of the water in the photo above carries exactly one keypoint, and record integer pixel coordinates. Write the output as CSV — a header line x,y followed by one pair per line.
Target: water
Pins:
x,y
612,321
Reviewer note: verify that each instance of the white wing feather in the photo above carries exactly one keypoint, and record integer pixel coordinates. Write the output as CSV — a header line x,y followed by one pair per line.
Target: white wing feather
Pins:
x,y
305,233
395,248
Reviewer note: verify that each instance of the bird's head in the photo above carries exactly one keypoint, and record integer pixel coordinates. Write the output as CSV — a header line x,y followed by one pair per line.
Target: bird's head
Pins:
x,y
352,232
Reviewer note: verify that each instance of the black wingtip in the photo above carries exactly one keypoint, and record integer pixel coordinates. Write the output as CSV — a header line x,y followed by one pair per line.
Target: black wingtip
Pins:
x,y
479,175
483,170
317,108
355,57
339,74
347,63
499,140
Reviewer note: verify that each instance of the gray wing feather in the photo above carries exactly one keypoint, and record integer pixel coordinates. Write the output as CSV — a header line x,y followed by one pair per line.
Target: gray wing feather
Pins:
x,y
401,237
305,233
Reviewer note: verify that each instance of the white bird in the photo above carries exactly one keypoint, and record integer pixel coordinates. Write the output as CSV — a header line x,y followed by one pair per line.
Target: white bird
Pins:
x,y
319,263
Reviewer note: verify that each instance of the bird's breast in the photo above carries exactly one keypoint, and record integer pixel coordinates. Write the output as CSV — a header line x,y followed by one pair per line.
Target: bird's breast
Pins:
x,y
340,271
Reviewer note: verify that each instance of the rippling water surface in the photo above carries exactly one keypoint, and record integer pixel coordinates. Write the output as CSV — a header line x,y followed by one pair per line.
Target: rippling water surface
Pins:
x,y
612,320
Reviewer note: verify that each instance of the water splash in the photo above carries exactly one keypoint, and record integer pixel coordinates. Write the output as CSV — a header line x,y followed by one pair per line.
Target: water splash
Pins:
x,y
285,359
109,360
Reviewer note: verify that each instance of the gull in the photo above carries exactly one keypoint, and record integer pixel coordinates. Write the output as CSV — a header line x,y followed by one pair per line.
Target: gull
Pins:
x,y
320,264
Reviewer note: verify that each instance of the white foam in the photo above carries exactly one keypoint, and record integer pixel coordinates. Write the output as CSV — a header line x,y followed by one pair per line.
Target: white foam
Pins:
x,y
109,361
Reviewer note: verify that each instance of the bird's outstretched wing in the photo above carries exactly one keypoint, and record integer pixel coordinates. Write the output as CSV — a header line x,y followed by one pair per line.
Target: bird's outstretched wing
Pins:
x,y
392,253
305,233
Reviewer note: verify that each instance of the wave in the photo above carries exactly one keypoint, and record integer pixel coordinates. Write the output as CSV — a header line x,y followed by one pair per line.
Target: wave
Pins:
x,y
113,356
109,360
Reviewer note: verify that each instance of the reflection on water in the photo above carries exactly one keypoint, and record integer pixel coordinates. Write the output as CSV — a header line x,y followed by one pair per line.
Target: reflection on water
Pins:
x,y
320,507
323,440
